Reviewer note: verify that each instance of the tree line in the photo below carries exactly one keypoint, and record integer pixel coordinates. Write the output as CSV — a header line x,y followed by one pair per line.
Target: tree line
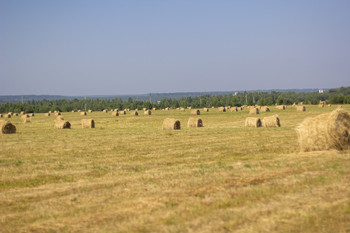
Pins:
x,y
332,96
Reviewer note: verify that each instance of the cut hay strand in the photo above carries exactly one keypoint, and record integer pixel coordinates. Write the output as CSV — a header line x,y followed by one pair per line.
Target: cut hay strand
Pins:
x,y
88,123
7,127
252,122
326,131
271,121
253,111
171,124
194,122
195,112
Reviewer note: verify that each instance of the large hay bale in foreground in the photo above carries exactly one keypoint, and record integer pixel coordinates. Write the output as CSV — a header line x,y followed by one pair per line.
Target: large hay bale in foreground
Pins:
x,y
171,123
253,111
194,122
87,123
195,112
60,123
147,112
301,108
252,122
26,119
326,131
7,127
271,121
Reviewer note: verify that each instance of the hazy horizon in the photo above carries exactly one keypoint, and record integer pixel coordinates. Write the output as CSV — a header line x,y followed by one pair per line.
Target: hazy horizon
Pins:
x,y
78,48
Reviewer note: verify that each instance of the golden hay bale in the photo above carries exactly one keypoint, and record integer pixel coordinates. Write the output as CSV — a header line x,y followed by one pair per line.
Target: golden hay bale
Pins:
x,y
79,110
83,113
171,123
154,109
281,107
194,122
301,108
26,119
123,112
57,114
15,114
222,109
60,123
321,105
22,113
271,121
253,111
252,122
195,112
114,113
8,115
189,107
340,106
7,127
1,116
205,110
326,131
329,105
234,109
31,114
105,110
264,109
147,112
134,113
89,110
72,110
182,109
47,114
167,109
87,123
50,112
144,109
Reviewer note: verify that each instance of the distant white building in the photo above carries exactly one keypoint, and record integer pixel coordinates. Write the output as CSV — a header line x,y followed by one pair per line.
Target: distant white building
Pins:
x,y
321,91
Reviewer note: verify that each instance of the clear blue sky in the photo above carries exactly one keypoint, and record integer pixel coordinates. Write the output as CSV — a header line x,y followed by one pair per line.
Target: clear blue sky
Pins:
x,y
107,47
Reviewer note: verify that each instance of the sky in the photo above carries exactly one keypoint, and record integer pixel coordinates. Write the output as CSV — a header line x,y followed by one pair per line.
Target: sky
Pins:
x,y
114,47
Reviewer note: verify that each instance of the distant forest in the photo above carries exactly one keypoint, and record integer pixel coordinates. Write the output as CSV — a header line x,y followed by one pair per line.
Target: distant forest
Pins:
x,y
332,96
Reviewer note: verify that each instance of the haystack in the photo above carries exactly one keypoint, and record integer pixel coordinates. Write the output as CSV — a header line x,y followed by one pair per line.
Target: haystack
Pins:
x,y
171,123
205,110
89,110
147,112
8,115
57,114
26,119
134,113
83,113
194,122
15,114
47,114
195,112
271,121
87,123
72,110
281,107
22,113
301,108
114,113
189,107
144,109
252,122
253,111
105,110
31,114
7,127
60,123
167,109
154,109
123,112
222,109
321,105
264,109
234,109
182,109
326,131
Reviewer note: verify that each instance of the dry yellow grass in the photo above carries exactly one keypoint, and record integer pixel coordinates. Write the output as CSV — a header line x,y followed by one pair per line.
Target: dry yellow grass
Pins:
x,y
129,175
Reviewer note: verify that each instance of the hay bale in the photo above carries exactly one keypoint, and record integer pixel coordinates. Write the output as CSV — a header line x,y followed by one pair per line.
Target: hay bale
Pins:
x,y
15,114
83,113
205,109
72,110
89,110
8,115
281,107
114,113
271,121
134,113
123,112
182,109
88,123
57,114
154,109
195,112
105,110
301,108
189,107
22,113
321,105
147,112
264,109
26,119
60,123
329,105
222,109
253,111
326,131
171,123
47,114
79,110
1,116
167,109
7,127
234,109
252,122
144,109
194,122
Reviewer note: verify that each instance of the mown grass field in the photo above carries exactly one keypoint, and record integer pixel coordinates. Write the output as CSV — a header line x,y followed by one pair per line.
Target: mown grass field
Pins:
x,y
129,175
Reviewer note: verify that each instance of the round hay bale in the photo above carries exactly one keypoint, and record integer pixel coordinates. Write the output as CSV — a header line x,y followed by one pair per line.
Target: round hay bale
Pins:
x,y
22,113
326,131
147,112
123,112
167,109
134,113
15,114
60,123
57,114
31,114
25,118
264,109
321,105
281,107
222,109
154,109
252,122
8,115
47,114
189,107
253,111
83,113
271,121
79,110
7,127
233,109
205,109
194,122
105,111
89,110
171,123
195,112
1,116
301,108
144,109
114,113
329,105
182,109
88,123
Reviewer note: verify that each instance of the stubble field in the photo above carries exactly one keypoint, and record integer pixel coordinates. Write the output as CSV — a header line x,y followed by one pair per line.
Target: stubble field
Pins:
x,y
129,175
